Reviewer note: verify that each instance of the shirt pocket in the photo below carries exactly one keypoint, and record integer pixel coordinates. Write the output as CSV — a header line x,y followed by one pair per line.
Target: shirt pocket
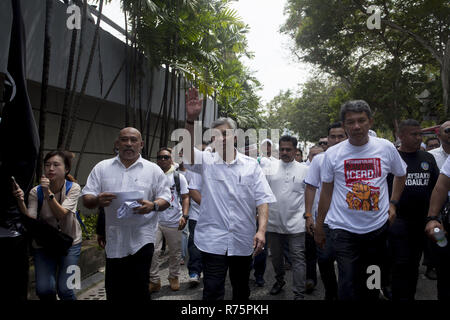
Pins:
x,y
111,185
245,180
298,186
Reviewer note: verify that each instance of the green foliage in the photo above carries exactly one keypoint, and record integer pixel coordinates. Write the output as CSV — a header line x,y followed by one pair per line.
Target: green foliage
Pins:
x,y
203,40
386,67
91,222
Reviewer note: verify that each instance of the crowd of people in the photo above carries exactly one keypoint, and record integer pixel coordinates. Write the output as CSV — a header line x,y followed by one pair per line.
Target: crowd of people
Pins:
x,y
358,202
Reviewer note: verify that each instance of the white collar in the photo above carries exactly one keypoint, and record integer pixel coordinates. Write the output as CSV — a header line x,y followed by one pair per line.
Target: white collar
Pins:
x,y
138,161
238,159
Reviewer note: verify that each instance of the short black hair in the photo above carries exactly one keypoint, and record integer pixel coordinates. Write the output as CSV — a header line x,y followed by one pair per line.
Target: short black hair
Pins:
x,y
432,138
288,138
408,123
337,124
356,106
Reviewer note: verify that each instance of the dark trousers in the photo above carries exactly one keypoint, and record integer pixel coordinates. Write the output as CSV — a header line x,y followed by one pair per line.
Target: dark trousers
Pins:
x,y
13,269
195,264
428,253
287,258
442,256
215,269
259,263
405,242
311,258
325,260
128,278
354,253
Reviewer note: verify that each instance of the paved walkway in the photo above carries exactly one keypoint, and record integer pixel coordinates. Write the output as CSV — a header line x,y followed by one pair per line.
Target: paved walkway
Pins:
x,y
426,289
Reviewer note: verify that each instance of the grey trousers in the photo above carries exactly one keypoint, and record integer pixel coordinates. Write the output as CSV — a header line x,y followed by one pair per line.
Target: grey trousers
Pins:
x,y
297,256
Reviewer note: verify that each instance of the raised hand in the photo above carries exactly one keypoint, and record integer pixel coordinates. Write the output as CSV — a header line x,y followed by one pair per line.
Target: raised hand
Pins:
x,y
17,192
193,104
45,184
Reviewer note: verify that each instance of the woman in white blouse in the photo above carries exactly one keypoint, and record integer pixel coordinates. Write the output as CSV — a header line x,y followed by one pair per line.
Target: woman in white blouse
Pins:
x,y
58,207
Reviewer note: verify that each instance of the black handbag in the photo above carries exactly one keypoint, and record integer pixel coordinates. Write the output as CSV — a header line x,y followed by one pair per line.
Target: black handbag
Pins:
x,y
53,241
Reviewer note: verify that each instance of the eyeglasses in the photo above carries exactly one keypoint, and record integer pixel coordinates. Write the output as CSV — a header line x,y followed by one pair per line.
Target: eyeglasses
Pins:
x,y
163,157
323,143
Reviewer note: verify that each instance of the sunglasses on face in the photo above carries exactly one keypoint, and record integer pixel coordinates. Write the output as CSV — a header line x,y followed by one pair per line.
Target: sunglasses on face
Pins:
x,y
323,143
447,130
163,157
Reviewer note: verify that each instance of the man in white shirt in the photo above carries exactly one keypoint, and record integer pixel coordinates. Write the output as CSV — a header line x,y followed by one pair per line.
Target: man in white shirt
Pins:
x,y
286,221
441,154
325,256
438,198
355,200
266,158
195,266
171,222
129,240
323,143
233,188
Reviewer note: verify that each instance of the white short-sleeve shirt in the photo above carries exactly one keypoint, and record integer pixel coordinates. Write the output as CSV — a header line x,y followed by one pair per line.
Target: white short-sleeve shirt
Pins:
x,y
125,237
171,216
439,155
446,168
287,184
230,195
195,183
313,179
360,200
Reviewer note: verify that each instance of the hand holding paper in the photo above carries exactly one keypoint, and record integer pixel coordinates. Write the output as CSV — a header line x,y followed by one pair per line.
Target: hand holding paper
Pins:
x,y
146,207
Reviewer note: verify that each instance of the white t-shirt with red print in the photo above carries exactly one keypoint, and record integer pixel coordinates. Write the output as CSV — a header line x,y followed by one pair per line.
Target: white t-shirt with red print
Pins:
x,y
360,200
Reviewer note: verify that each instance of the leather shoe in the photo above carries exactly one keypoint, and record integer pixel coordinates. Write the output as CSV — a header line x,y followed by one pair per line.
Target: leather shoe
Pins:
x,y
277,287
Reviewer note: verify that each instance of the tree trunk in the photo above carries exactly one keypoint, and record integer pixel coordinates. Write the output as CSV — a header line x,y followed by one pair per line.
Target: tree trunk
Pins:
x,y
171,105
127,111
445,79
156,125
164,100
76,110
65,113
177,114
77,70
44,84
91,124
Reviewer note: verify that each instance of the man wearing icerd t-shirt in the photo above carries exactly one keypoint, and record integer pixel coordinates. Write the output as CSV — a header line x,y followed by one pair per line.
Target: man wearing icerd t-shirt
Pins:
x,y
354,200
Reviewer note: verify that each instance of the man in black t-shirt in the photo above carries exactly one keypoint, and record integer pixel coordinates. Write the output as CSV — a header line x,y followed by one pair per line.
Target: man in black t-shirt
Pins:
x,y
406,235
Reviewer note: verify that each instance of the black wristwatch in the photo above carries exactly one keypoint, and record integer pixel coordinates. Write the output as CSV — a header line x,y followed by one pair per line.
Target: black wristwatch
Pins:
x,y
155,206
433,218
395,203
51,197
186,217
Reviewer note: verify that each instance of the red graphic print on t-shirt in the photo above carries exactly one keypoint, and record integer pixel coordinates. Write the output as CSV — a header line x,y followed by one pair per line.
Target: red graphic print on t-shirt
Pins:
x,y
357,172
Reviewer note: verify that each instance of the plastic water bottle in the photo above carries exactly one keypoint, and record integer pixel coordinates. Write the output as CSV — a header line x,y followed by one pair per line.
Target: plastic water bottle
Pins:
x,y
440,237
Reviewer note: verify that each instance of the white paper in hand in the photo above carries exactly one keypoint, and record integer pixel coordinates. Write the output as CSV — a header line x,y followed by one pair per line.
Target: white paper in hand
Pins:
x,y
126,209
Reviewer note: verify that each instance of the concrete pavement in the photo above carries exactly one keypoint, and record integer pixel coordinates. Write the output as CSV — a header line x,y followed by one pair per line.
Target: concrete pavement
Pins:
x,y
93,287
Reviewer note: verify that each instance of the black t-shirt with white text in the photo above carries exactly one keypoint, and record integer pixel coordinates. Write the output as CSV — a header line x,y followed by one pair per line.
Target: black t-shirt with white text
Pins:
x,y
422,174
